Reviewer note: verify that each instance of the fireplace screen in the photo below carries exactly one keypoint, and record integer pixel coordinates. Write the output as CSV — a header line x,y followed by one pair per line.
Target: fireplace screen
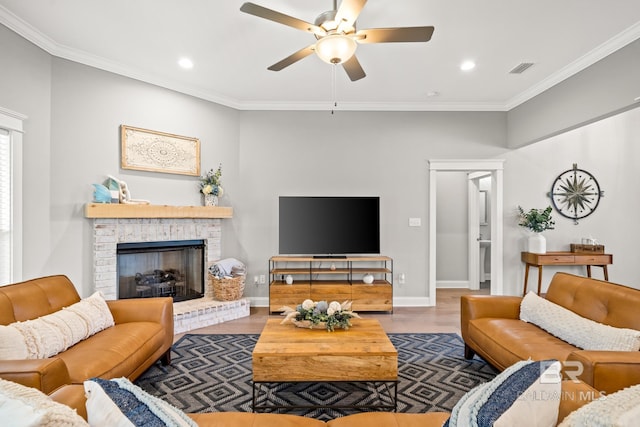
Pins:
x,y
153,269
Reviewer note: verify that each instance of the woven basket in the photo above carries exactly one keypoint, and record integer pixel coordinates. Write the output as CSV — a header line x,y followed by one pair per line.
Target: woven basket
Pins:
x,y
308,324
227,289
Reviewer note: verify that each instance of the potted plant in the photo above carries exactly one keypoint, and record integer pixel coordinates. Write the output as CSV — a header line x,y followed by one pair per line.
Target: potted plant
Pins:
x,y
211,186
537,221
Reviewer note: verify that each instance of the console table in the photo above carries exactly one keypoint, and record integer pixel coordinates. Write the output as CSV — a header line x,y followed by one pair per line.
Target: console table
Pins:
x,y
564,258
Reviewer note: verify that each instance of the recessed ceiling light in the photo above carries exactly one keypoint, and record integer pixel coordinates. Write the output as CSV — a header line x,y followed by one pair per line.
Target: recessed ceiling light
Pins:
x,y
467,65
433,93
185,63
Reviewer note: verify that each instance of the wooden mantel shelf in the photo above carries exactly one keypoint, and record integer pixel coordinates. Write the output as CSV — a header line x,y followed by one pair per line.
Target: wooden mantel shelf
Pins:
x,y
114,210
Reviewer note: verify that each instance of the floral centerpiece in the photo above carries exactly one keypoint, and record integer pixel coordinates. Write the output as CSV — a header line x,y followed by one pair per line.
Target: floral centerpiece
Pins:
x,y
320,314
211,186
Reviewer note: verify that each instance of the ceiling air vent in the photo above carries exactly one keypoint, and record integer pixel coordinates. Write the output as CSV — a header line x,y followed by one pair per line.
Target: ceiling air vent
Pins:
x,y
521,68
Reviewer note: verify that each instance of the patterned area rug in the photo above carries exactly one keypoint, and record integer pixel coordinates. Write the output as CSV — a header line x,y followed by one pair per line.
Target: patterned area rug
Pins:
x,y
211,373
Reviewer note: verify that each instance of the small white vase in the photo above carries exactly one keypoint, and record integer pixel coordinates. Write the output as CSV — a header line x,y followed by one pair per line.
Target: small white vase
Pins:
x,y
537,243
289,279
210,200
368,278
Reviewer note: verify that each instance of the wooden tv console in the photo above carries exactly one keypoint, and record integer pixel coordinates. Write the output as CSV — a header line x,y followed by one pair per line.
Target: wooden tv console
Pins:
x,y
331,279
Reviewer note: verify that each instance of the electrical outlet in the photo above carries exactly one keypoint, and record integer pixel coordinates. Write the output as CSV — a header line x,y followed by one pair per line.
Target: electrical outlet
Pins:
x,y
401,279
415,222
263,279
255,280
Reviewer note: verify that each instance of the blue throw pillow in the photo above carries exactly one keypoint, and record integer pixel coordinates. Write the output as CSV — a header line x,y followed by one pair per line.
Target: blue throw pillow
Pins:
x,y
526,394
118,402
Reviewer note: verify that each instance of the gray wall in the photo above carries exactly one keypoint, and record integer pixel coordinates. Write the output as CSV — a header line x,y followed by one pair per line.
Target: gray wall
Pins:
x,y
452,230
607,87
72,140
88,107
25,87
354,153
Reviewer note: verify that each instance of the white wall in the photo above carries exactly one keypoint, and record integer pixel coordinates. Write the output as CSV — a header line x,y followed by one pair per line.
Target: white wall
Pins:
x,y
610,150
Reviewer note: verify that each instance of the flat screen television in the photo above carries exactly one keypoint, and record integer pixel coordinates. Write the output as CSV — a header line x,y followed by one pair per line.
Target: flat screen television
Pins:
x,y
331,226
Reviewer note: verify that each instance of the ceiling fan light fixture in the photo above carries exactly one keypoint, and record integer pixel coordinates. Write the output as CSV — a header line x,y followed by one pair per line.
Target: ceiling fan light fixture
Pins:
x,y
336,48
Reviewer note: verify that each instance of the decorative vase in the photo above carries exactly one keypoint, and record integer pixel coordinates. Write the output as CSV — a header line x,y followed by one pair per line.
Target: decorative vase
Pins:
x,y
289,279
537,243
210,200
368,278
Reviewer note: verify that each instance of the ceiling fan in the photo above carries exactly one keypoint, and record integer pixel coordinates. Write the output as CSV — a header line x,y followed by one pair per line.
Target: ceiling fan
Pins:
x,y
336,34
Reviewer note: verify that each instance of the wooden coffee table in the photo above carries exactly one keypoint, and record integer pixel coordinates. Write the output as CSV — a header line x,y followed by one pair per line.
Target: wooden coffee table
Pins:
x,y
364,353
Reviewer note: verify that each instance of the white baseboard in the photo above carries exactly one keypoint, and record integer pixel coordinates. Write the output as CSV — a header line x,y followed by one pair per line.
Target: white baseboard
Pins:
x,y
259,301
452,284
412,302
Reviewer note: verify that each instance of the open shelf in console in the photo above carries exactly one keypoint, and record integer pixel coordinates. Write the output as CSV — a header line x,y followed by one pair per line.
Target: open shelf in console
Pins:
x,y
331,279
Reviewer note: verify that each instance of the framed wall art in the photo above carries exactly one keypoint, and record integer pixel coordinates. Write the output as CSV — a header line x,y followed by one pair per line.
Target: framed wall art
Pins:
x,y
149,150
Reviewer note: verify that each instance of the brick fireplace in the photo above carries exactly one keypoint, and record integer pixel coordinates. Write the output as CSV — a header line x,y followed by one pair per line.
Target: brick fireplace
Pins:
x,y
109,232
114,224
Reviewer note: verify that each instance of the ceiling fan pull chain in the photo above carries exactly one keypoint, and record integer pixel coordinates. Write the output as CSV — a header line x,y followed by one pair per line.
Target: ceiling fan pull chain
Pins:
x,y
333,88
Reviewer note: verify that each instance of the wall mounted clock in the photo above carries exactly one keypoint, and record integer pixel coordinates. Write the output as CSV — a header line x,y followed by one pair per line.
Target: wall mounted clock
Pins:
x,y
575,193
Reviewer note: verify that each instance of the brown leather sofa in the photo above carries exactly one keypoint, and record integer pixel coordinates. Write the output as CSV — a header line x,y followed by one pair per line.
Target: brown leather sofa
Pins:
x,y
142,334
492,329
573,395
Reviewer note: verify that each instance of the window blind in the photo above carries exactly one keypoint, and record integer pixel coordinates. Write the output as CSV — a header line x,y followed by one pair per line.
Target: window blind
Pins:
x,y
5,208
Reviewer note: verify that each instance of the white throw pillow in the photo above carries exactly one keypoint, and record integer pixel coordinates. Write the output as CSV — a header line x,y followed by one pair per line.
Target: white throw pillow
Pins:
x,y
12,345
620,409
22,406
49,335
119,403
575,329
525,394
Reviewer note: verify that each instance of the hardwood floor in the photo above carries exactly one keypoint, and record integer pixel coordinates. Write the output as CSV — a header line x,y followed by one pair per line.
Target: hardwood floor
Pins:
x,y
445,317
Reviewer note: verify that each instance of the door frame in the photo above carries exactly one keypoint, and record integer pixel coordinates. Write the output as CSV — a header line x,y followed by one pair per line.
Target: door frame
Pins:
x,y
496,168
473,189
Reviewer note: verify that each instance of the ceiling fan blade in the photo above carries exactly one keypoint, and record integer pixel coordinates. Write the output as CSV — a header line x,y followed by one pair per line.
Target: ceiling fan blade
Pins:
x,y
391,35
281,18
295,57
354,69
348,11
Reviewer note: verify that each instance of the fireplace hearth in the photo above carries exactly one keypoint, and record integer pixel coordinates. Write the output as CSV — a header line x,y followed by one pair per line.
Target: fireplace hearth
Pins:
x,y
166,268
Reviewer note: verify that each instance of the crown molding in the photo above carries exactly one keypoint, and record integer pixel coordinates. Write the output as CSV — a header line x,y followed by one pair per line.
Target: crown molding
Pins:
x,y
19,26
615,43
372,106
36,37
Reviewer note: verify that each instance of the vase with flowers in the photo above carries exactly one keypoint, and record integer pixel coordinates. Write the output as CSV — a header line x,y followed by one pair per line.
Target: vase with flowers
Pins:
x,y
536,221
211,186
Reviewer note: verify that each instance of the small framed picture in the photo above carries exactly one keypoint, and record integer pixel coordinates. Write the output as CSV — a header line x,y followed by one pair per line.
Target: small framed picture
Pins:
x,y
153,151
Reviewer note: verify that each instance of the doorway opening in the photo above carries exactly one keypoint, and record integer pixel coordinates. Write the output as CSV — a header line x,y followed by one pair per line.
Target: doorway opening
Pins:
x,y
494,168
